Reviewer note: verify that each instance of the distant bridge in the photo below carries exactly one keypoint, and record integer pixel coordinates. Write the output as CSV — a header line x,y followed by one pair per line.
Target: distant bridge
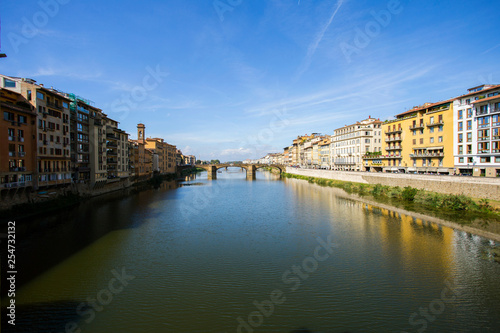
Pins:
x,y
250,168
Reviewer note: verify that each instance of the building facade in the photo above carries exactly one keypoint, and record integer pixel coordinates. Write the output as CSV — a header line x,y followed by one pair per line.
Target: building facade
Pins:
x,y
351,142
476,128
415,142
18,145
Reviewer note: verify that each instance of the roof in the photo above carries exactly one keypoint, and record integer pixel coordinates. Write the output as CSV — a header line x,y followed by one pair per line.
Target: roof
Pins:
x,y
486,99
426,106
375,121
480,91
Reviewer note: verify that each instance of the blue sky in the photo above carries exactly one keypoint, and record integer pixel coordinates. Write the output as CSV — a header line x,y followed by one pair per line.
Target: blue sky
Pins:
x,y
235,79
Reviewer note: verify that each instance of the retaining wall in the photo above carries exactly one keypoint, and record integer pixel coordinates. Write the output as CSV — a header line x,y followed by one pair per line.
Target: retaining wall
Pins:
x,y
475,187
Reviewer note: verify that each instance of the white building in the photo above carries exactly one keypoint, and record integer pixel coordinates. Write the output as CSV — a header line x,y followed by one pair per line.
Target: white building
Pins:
x,y
476,128
351,142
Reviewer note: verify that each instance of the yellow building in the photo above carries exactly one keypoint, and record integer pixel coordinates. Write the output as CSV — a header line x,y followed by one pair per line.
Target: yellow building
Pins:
x,y
415,142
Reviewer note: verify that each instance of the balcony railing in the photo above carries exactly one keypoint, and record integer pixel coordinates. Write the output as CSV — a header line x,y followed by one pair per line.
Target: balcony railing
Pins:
x,y
425,155
414,127
21,154
399,130
483,138
483,151
435,124
17,169
393,148
16,184
395,139
54,106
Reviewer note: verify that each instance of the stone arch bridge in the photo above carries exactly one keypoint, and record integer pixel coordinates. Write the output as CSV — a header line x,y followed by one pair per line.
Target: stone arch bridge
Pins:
x,y
250,168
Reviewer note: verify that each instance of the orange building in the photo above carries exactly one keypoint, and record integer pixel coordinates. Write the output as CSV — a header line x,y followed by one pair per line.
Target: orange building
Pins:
x,y
17,141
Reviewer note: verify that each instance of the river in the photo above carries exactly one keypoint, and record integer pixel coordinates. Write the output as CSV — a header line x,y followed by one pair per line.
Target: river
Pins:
x,y
238,255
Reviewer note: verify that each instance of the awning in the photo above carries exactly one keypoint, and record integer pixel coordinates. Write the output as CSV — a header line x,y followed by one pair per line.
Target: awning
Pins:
x,y
443,170
412,169
435,148
431,169
394,169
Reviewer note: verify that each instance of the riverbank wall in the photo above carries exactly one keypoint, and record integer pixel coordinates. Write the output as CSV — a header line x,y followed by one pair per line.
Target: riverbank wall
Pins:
x,y
480,188
47,199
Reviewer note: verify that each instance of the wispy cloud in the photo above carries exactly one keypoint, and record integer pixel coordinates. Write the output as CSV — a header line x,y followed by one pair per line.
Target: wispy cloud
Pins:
x,y
315,43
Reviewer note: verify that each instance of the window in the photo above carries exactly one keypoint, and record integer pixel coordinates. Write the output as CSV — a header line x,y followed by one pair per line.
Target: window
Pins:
x,y
483,121
469,125
9,83
440,128
414,141
485,159
22,119
470,160
460,137
460,114
469,149
9,116
469,137
469,113
421,141
432,140
460,160
431,129
440,139
39,95
460,126
28,95
494,120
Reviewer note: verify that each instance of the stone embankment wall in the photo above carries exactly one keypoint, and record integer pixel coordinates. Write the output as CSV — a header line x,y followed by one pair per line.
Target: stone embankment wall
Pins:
x,y
475,187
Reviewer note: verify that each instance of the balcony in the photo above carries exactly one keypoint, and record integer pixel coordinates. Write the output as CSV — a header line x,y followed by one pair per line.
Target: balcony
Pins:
x,y
483,151
111,161
16,184
111,153
111,137
17,169
372,156
398,131
395,139
480,113
393,148
483,138
414,127
435,124
54,106
426,155
21,154
111,144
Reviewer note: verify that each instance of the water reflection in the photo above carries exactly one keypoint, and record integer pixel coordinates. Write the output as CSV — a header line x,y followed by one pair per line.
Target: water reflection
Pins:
x,y
199,274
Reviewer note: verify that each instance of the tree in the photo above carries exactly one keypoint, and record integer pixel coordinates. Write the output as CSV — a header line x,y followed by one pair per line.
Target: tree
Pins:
x,y
214,162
